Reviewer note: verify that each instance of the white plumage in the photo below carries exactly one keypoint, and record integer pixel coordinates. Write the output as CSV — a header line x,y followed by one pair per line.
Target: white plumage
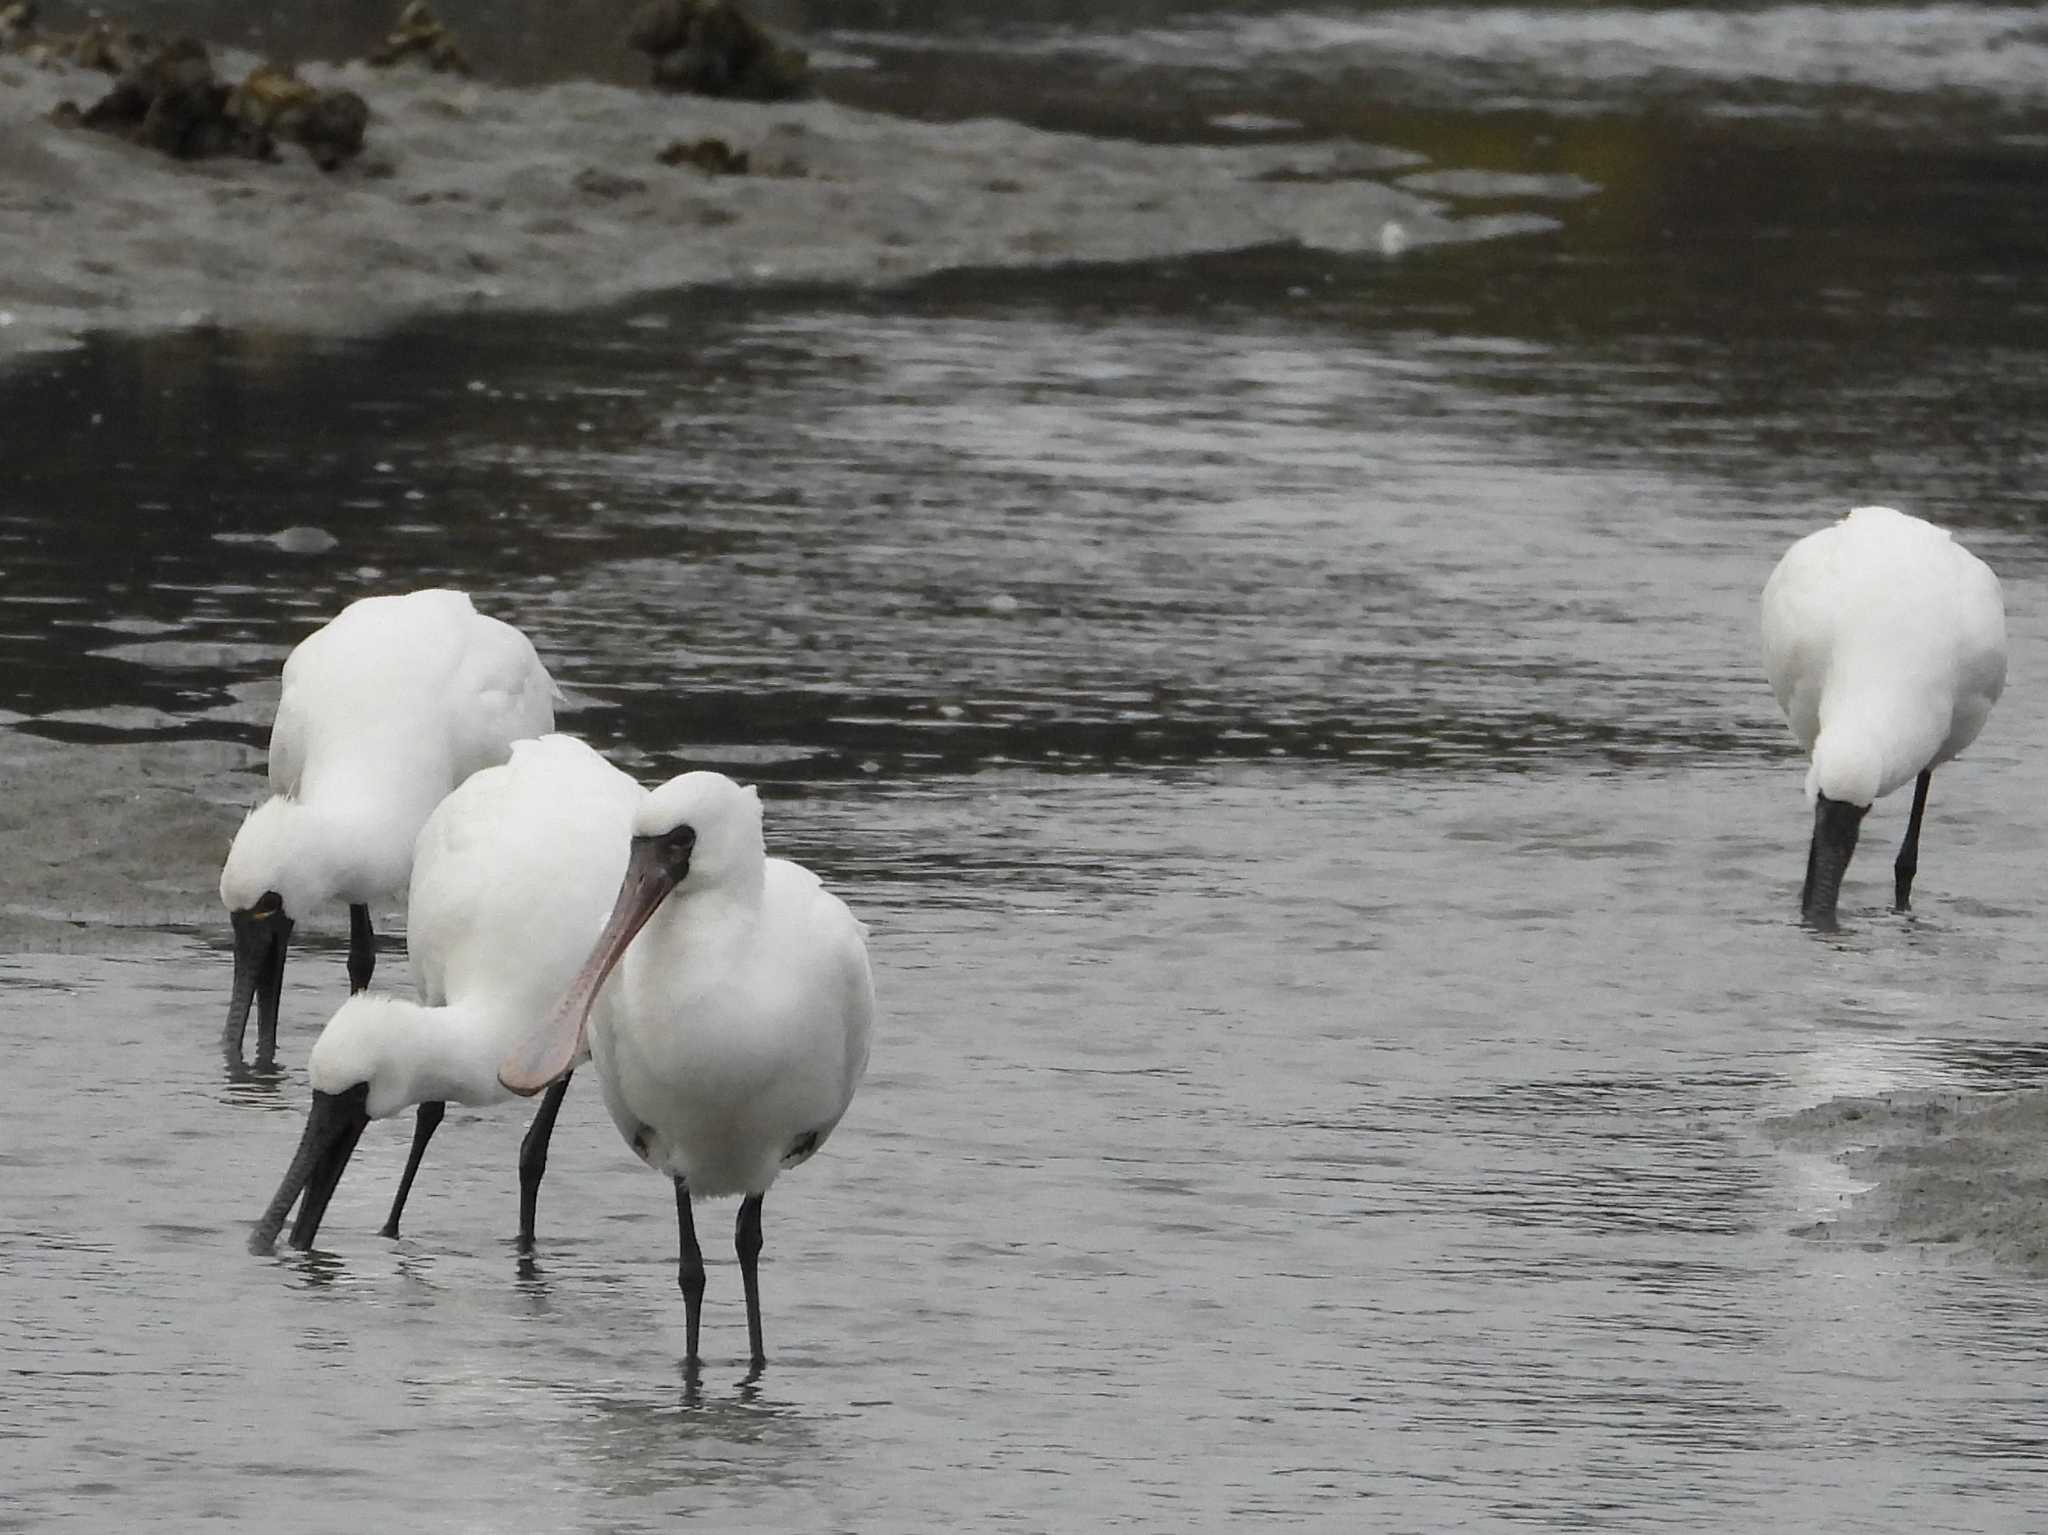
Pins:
x,y
1884,641
385,709
731,1033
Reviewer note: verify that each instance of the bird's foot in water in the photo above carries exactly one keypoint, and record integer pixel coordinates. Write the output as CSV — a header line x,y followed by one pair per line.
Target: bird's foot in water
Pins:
x,y
263,1069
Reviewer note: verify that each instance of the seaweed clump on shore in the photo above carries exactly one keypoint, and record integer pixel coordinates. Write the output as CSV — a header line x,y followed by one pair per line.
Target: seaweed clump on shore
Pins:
x,y
17,24
99,44
714,48
328,125
714,157
168,99
421,35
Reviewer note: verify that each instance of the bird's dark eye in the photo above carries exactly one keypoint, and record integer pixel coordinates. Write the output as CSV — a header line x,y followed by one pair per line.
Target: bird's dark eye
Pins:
x,y
676,846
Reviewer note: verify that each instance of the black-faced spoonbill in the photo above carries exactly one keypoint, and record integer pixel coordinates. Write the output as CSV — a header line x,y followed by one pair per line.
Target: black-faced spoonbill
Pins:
x,y
1884,640
735,1029
385,709
515,874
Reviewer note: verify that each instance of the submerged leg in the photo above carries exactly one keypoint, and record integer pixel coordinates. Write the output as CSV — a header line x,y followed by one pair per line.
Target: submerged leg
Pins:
x,y
533,1157
362,949
747,1239
1909,851
423,1129
690,1270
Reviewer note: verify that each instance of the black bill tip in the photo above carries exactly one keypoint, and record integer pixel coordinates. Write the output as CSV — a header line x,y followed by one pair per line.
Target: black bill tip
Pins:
x,y
333,1126
1835,825
262,935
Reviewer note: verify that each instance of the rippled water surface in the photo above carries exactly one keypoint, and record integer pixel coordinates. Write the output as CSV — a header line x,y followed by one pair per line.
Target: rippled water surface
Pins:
x,y
1294,728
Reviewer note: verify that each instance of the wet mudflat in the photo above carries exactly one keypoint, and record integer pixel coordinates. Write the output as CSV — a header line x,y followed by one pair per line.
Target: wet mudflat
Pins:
x,y
1293,725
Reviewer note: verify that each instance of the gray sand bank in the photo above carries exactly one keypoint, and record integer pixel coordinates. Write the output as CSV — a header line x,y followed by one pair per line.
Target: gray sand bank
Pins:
x,y
112,848
1961,1171
552,198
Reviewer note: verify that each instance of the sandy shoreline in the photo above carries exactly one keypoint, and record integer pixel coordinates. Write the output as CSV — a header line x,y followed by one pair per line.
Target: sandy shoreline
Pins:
x,y
551,198
114,848
1947,1172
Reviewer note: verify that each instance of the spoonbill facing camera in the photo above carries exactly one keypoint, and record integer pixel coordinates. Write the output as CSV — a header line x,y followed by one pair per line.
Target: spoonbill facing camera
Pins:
x,y
734,1028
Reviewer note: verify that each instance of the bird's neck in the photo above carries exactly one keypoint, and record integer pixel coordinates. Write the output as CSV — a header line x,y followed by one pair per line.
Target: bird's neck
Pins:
x,y
696,935
347,848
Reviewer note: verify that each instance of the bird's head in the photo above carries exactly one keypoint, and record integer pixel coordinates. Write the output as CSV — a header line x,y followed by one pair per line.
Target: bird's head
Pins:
x,y
700,832
1847,768
360,1070
269,859
718,820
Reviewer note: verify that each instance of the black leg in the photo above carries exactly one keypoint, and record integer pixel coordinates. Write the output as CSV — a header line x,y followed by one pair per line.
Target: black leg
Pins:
x,y
423,1129
747,1239
533,1158
1909,851
690,1270
362,949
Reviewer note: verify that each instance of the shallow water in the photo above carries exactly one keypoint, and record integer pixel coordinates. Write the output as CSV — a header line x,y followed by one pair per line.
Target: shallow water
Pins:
x,y
1293,726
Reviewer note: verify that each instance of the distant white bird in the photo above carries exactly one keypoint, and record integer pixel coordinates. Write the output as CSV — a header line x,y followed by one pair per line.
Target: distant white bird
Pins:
x,y
735,1031
385,709
1884,640
515,874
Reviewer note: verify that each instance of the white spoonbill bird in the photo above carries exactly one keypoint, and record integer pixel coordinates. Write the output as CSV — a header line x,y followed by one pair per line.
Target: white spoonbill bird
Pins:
x,y
386,708
735,1030
1884,640
515,873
